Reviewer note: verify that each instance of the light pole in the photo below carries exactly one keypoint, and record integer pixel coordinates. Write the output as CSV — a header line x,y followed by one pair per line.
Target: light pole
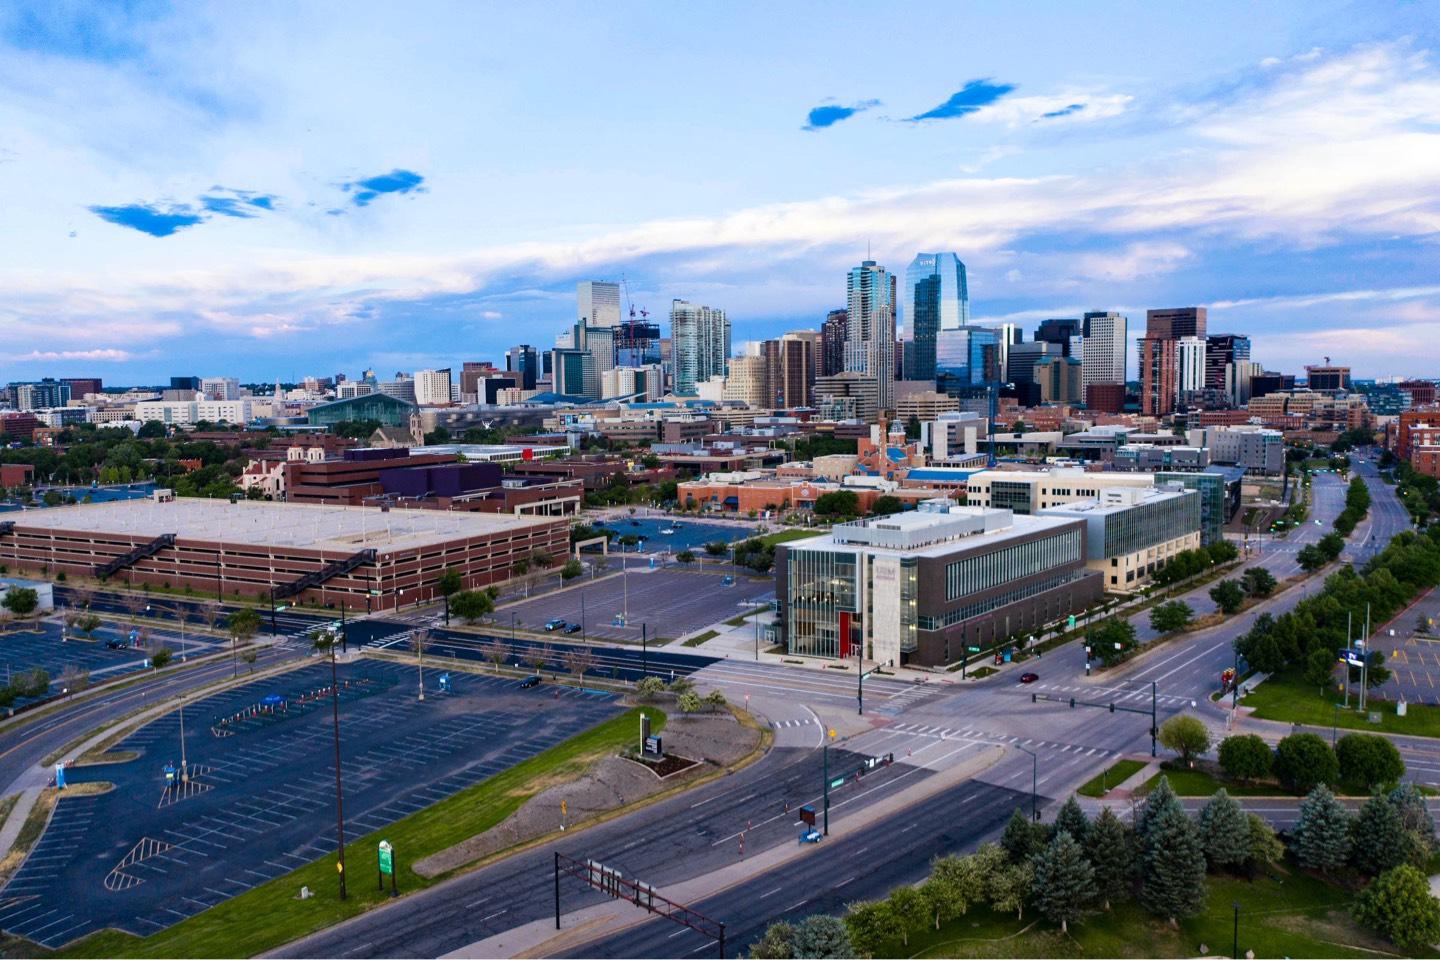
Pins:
x,y
339,790
1034,784
1235,945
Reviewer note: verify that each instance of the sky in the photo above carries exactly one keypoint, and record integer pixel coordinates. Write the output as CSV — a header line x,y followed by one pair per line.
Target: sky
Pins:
x,y
276,190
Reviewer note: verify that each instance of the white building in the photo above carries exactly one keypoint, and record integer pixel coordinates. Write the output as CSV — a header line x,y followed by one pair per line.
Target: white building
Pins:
x,y
598,304
189,412
700,338
1191,358
1030,491
433,388
952,434
220,388
1102,348
1131,533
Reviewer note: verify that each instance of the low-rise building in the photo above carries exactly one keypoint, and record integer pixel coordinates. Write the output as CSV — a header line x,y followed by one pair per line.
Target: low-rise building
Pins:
x,y
1030,491
1259,450
1133,532
923,587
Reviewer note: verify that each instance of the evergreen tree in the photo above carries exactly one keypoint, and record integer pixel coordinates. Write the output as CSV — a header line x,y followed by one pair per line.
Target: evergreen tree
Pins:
x,y
1265,846
1377,837
1415,817
1111,851
1019,838
1224,831
1174,882
1064,880
1322,834
822,936
1162,799
1072,820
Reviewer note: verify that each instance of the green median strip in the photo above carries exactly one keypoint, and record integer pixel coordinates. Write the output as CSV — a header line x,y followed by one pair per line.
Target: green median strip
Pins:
x,y
272,914
1290,699
1103,783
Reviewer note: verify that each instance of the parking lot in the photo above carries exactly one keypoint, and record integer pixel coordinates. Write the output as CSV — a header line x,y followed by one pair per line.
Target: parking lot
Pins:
x,y
684,535
671,602
25,648
261,800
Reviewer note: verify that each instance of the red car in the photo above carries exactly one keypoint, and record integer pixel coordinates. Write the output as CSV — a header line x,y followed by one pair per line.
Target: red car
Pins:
x,y
1029,677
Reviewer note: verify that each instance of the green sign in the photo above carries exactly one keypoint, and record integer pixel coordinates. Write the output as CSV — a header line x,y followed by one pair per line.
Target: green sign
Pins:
x,y
1070,622
973,649
374,593
387,857
837,782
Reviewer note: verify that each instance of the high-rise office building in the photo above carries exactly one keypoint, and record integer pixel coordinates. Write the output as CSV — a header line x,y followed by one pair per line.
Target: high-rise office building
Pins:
x,y
833,334
43,394
1223,351
1023,357
1160,357
637,343
966,359
1327,378
701,344
80,387
574,373
793,382
432,387
598,303
523,359
870,344
1190,378
1011,334
1059,331
184,383
220,388
599,342
1102,348
937,298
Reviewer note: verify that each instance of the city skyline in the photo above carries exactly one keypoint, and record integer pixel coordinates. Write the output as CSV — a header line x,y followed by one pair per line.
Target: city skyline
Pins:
x,y
249,206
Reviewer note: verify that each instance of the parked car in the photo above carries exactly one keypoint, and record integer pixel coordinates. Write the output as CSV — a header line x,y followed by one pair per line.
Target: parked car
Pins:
x,y
528,682
116,645
572,628
1029,677
556,624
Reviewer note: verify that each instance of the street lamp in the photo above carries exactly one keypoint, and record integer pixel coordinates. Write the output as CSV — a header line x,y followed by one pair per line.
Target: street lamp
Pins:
x,y
1235,945
1034,784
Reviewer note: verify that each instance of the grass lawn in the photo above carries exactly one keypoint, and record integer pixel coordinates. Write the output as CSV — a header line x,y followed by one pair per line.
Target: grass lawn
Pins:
x,y
1288,698
1101,784
785,536
1202,783
270,915
700,638
1286,914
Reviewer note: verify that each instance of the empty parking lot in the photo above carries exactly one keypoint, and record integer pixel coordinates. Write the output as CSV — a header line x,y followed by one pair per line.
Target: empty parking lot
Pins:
x,y
145,856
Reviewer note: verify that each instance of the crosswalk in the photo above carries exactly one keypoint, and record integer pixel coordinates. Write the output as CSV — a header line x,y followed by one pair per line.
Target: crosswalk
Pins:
x,y
788,724
1101,694
908,698
984,736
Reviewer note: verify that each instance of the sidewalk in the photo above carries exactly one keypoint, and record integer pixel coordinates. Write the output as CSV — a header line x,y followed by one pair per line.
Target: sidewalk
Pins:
x,y
540,938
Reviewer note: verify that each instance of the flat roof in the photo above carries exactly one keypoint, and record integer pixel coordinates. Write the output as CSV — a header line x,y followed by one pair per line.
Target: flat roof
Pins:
x,y
264,524
917,522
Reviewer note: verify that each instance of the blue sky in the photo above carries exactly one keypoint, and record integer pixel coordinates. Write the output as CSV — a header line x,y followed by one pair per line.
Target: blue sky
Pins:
x,y
272,190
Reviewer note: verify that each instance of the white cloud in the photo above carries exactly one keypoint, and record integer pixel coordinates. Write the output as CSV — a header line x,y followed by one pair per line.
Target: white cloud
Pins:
x,y
100,355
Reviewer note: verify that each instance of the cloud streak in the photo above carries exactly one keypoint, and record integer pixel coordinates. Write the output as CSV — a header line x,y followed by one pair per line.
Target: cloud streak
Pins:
x,y
969,99
154,219
827,115
398,182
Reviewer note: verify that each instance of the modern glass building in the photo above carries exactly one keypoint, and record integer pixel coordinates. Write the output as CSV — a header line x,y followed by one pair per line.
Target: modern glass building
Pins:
x,y
936,298
389,411
870,331
700,338
967,357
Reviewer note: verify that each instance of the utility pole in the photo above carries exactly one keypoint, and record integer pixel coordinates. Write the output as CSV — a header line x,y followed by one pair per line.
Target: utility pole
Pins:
x,y
826,761
1365,658
1154,727
644,652
339,790
860,679
1034,784
1234,683
184,767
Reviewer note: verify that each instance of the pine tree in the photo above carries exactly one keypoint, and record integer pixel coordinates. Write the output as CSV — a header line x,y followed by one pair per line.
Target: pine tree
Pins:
x,y
1072,820
1162,799
1224,831
822,936
1322,834
1265,847
1064,880
1415,817
1110,847
1174,881
1377,838
1019,838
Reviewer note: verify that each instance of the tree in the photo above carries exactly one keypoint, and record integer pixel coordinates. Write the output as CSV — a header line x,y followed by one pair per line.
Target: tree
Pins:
x,y
1072,820
1224,831
1304,760
1377,837
447,585
1160,800
242,626
541,559
911,910
1171,617
1019,839
1173,884
951,888
870,925
1322,833
649,688
716,548
1310,558
685,556
1245,757
688,702
1228,595
1186,735
886,505
1258,582
497,652
1400,907
1064,880
1415,818
822,936
160,658
1368,761
21,601
837,503
249,656
1265,847
1108,843
1009,887
471,605
715,699
579,661
777,943
1110,640
571,569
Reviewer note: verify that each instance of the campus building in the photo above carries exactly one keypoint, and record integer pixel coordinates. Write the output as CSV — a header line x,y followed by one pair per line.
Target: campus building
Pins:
x,y
1133,532
1030,491
363,557
921,587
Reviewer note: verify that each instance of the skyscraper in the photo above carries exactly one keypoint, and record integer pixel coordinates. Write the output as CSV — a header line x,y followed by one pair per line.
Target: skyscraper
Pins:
x,y
432,387
1160,357
1059,331
1102,349
870,344
522,359
598,303
701,344
833,334
1191,376
966,359
936,298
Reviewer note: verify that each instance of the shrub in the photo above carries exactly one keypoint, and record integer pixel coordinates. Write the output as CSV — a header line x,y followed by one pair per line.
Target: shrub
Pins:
x,y
1303,761
1368,761
1245,757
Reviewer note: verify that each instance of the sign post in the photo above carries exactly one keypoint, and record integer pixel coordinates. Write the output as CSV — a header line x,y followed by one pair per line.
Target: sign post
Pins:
x,y
385,864
60,775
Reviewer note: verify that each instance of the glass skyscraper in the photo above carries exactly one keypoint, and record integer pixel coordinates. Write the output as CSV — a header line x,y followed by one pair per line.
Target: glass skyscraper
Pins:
x,y
967,357
937,298
870,327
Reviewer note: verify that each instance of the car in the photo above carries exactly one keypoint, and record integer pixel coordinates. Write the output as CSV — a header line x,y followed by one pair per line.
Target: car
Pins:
x,y
1029,677
553,625
572,628
666,531
530,681
634,523
116,645
727,581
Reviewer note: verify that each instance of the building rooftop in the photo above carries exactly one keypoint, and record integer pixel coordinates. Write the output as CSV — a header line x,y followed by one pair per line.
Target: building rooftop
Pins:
x,y
932,531
1116,501
258,523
